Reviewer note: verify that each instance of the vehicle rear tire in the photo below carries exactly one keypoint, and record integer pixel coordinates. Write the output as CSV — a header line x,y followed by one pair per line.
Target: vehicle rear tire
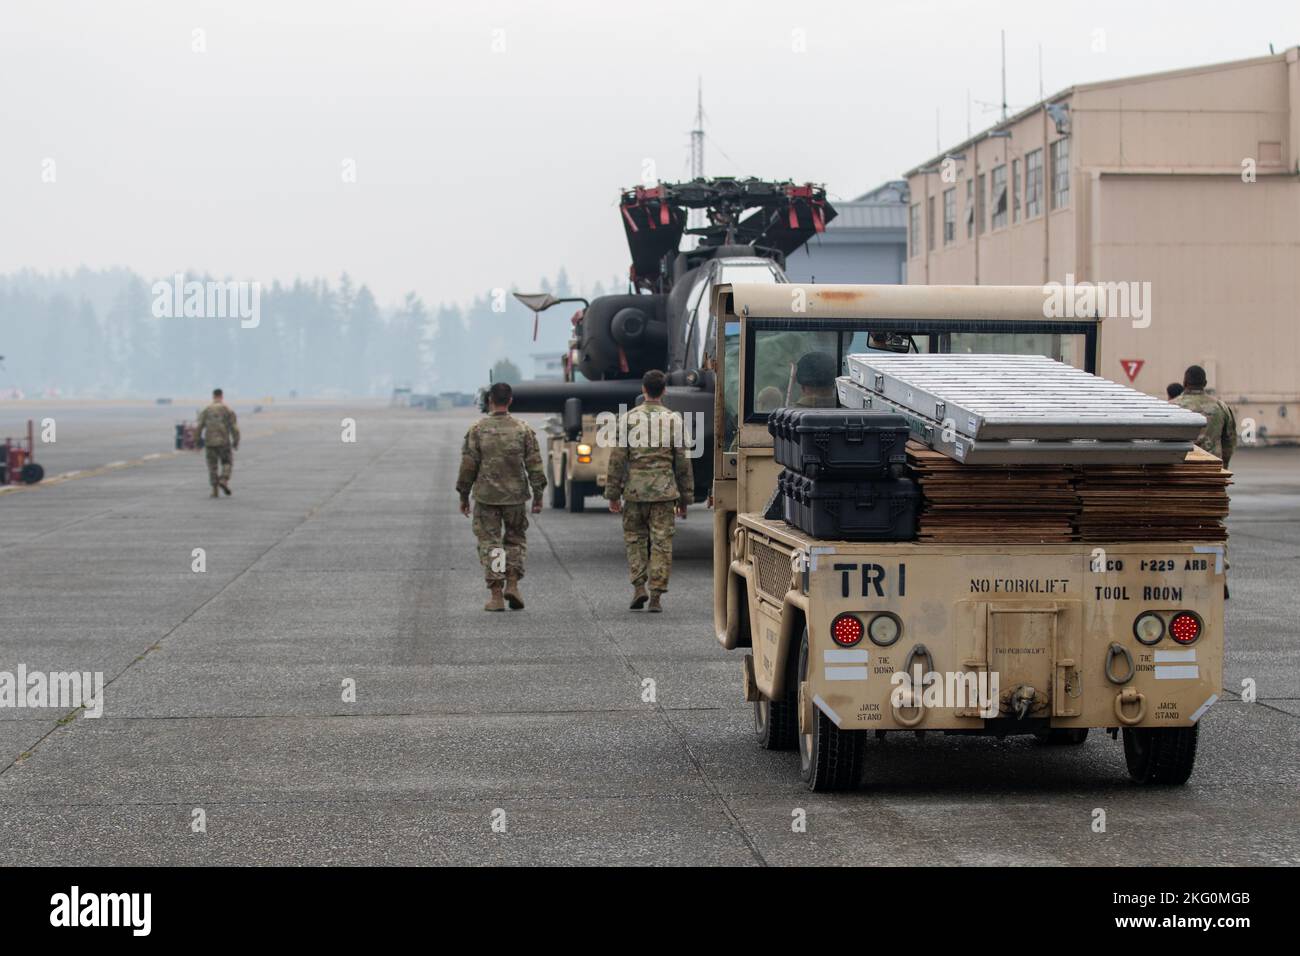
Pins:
x,y
557,491
776,722
1161,755
574,493
32,473
829,758
1064,736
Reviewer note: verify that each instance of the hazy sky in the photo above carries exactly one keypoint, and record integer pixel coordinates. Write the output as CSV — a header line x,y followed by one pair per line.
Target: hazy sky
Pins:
x,y
478,167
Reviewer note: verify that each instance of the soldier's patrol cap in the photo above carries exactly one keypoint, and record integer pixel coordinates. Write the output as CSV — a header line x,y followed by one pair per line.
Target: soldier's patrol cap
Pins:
x,y
815,369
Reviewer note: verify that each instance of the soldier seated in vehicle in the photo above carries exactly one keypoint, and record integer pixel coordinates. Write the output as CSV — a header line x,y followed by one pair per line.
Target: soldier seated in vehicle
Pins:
x,y
768,400
815,375
782,361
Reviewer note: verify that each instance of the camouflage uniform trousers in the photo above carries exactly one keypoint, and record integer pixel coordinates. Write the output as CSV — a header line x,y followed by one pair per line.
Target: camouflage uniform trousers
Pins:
x,y
498,528
219,455
648,528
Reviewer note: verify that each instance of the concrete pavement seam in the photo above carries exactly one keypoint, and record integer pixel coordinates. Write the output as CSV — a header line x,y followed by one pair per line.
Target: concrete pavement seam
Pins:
x,y
311,513
659,708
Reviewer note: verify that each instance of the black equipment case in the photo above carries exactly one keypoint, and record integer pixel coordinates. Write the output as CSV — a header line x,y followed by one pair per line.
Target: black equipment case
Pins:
x,y
874,509
818,441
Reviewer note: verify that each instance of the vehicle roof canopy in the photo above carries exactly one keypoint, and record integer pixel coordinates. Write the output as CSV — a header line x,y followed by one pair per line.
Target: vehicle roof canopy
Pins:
x,y
1004,302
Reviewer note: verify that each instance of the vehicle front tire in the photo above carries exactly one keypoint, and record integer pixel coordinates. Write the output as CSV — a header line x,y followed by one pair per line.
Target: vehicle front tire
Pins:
x,y
557,491
575,497
1160,755
32,473
829,758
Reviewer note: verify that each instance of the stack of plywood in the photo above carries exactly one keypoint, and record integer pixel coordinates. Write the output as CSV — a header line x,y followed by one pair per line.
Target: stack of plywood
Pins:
x,y
1003,504
1183,502
1055,504
1021,449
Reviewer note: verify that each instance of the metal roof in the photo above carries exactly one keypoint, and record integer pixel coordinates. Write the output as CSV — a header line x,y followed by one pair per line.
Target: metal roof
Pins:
x,y
894,190
869,215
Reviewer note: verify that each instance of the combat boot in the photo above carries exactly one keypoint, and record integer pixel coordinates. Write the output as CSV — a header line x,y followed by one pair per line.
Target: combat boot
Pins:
x,y
495,601
512,594
224,486
214,491
639,597
655,607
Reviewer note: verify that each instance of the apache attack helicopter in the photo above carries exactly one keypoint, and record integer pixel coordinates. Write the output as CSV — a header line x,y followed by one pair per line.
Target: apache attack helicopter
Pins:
x,y
663,321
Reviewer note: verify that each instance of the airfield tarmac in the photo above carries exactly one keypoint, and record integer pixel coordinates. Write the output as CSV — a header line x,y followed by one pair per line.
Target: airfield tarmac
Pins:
x,y
339,562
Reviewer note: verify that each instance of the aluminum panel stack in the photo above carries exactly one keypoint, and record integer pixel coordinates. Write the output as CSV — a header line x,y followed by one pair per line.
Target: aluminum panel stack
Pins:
x,y
1018,409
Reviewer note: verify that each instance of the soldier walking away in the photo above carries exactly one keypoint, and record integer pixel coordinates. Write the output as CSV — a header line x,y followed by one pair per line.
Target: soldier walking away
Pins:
x,y
649,481
499,461
217,429
1219,437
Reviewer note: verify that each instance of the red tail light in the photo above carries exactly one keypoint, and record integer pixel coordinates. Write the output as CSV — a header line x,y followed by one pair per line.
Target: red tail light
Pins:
x,y
1185,628
846,630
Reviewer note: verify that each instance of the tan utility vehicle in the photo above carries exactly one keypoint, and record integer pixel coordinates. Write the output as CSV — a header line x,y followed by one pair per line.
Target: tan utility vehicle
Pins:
x,y
576,462
1124,635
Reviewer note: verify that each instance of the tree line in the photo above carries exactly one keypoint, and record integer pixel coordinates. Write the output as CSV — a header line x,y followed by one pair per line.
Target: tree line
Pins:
x,y
97,334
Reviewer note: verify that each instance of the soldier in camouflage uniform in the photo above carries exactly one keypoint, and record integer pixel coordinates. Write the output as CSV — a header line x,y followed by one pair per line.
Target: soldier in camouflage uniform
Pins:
x,y
649,481
500,459
815,375
217,429
1219,437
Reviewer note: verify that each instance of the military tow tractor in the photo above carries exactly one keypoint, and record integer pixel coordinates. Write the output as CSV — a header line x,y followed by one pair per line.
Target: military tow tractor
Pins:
x,y
17,462
1051,635
576,462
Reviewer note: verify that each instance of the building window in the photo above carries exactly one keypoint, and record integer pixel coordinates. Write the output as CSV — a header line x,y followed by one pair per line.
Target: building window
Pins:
x,y
914,232
929,224
981,216
1015,190
1033,183
970,208
998,196
1060,174
949,215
